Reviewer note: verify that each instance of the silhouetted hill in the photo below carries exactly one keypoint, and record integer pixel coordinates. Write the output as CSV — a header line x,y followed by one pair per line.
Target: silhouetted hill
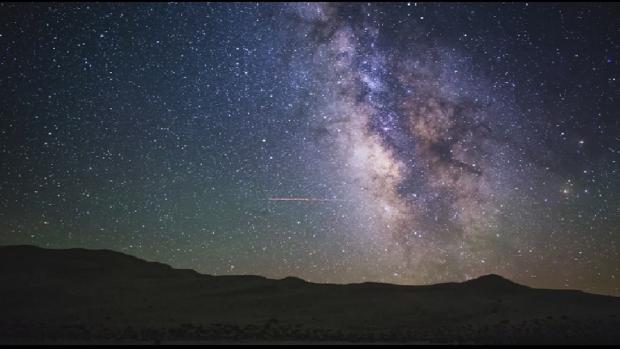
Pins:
x,y
494,283
102,295
492,280
80,263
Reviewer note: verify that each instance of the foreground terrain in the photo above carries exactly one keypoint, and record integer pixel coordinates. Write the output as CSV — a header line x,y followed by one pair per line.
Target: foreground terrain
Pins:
x,y
82,296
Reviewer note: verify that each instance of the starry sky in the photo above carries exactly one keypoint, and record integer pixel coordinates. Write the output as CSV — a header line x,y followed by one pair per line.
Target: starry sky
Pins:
x,y
409,143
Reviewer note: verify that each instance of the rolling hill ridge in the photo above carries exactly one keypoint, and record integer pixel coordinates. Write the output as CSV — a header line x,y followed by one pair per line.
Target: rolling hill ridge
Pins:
x,y
101,295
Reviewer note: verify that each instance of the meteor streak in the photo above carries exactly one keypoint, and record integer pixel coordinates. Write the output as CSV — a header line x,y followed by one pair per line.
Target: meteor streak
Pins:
x,y
302,199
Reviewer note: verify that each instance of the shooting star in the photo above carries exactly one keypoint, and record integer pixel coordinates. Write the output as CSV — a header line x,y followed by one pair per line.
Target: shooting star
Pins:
x,y
303,199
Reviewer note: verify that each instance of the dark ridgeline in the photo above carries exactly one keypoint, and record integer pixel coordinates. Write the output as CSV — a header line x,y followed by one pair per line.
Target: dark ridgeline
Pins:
x,y
102,296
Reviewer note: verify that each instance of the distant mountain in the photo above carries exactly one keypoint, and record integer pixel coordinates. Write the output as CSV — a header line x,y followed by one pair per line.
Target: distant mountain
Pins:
x,y
102,296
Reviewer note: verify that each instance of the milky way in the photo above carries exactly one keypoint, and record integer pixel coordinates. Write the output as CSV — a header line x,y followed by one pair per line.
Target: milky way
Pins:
x,y
406,143
417,150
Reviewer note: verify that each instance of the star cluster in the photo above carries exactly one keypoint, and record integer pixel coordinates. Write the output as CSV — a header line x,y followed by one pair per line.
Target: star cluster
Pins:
x,y
408,143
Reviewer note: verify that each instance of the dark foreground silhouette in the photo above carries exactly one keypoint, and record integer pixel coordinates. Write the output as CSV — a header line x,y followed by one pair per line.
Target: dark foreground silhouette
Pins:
x,y
101,296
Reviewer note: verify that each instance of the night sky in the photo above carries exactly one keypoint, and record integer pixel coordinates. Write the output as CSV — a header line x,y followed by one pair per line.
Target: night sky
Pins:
x,y
409,143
